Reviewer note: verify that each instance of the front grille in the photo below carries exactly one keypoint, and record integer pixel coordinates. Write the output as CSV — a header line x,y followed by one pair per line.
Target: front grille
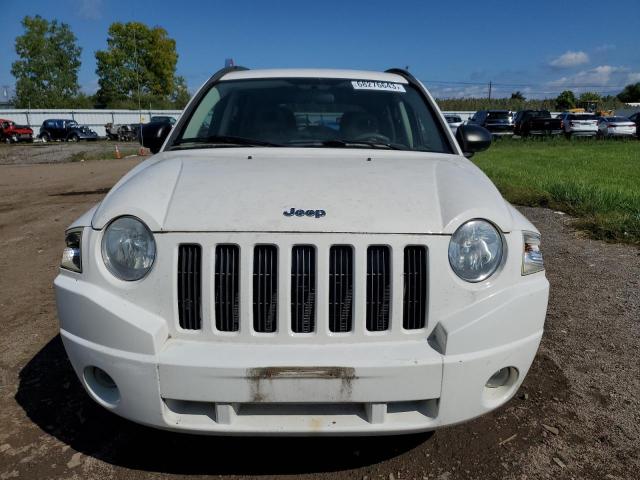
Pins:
x,y
226,287
330,288
303,288
189,285
378,288
340,288
265,288
415,287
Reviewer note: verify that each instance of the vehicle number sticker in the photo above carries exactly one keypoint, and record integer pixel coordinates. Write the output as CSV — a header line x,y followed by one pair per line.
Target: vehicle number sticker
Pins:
x,y
371,85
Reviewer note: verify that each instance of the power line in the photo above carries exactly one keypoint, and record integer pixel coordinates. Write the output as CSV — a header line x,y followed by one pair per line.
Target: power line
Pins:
x,y
522,85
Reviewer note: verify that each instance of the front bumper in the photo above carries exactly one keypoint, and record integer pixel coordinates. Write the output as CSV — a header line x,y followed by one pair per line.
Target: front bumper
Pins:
x,y
301,389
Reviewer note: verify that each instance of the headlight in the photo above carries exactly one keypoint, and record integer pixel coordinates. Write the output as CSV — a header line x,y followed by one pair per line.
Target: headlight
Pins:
x,y
72,254
128,248
475,250
531,255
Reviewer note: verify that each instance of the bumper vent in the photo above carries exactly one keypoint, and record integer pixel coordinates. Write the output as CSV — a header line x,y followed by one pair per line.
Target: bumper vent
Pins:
x,y
227,291
378,288
415,287
340,288
265,288
303,289
189,287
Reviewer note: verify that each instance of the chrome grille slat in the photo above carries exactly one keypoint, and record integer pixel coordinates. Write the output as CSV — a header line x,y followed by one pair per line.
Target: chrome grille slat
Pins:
x,y
340,288
226,288
378,288
303,289
415,291
189,287
265,290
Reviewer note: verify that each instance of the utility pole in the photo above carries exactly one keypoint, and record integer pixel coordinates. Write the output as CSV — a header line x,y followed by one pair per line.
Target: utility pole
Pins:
x,y
489,89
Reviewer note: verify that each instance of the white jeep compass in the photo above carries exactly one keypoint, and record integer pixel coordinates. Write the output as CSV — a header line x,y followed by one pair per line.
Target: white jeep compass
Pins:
x,y
309,252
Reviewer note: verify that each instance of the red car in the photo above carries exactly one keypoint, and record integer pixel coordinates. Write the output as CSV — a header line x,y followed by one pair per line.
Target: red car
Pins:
x,y
12,133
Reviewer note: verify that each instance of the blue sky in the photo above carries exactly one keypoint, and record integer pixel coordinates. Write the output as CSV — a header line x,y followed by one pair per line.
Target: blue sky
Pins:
x,y
455,47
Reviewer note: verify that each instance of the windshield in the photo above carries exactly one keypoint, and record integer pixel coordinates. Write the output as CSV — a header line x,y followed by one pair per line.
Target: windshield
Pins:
x,y
617,119
314,112
498,115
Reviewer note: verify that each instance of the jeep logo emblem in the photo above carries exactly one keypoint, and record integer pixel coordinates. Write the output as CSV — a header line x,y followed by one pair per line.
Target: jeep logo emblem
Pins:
x,y
293,212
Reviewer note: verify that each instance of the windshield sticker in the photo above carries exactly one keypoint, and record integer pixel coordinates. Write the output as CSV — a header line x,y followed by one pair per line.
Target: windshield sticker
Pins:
x,y
370,85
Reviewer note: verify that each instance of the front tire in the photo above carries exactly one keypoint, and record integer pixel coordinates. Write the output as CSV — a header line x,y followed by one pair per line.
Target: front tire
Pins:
x,y
73,137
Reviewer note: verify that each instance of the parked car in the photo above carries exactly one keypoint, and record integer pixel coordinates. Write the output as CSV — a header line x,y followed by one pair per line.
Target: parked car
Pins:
x,y
616,127
163,122
12,133
264,276
635,118
65,130
454,121
536,122
498,122
162,119
579,124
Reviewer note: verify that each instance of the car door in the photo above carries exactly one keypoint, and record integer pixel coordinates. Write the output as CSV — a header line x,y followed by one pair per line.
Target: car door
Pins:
x,y
56,131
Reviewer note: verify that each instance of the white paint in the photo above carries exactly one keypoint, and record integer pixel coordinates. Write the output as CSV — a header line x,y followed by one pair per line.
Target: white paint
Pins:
x,y
396,381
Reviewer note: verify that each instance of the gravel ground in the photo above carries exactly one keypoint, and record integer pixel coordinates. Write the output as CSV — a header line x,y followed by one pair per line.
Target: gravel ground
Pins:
x,y
576,416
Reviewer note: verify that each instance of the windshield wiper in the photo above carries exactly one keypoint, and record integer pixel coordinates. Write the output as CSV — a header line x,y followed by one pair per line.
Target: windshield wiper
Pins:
x,y
224,140
347,144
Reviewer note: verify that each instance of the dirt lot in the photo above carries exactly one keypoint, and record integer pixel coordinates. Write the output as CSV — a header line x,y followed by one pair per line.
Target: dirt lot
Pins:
x,y
576,416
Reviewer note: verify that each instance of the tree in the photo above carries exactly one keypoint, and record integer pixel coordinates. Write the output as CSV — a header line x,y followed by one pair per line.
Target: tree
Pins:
x,y
180,96
589,97
518,96
565,100
47,69
138,64
630,93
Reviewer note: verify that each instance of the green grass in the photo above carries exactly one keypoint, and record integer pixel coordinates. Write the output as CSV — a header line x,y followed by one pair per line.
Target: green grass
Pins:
x,y
598,181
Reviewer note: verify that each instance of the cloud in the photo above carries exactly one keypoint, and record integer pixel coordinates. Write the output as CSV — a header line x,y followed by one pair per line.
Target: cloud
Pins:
x,y
570,59
633,77
89,9
598,77
605,48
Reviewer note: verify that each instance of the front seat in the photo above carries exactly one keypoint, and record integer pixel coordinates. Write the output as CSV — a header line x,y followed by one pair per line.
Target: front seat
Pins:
x,y
356,124
273,125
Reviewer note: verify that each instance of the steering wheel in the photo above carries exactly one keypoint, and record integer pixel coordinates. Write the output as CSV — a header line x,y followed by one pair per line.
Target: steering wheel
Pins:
x,y
372,137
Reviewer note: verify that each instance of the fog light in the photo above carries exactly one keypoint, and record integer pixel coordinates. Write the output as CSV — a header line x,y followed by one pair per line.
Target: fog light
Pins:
x,y
499,379
103,378
102,386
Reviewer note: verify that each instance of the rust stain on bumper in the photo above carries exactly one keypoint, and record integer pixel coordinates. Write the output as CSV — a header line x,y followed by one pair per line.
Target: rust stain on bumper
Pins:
x,y
257,376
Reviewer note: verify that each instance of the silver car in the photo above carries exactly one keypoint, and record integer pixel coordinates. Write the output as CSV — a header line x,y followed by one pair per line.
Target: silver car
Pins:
x,y
616,127
454,121
579,124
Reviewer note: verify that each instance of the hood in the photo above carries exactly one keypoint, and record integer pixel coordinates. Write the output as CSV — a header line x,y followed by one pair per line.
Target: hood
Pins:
x,y
327,190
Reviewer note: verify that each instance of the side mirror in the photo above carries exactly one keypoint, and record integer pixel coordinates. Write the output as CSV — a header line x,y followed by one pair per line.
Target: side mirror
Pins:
x,y
472,139
153,136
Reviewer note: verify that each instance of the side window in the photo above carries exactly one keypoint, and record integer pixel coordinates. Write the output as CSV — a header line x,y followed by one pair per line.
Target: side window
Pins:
x,y
200,121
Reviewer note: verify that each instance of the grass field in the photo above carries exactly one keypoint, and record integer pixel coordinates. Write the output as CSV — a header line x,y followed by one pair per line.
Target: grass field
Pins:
x,y
598,181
